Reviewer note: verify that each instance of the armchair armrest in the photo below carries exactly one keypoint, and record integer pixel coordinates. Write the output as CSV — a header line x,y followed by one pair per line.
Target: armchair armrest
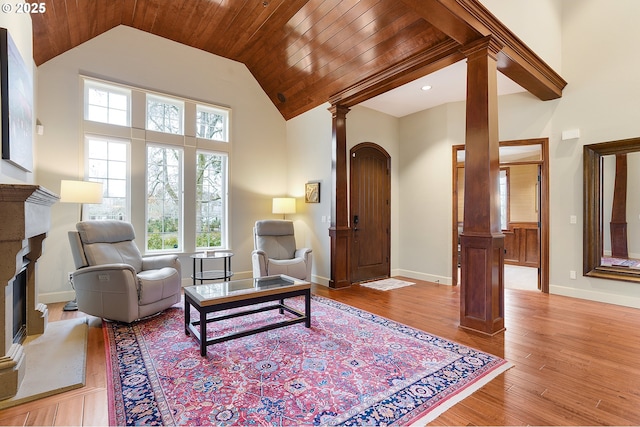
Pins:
x,y
302,253
307,255
259,263
105,276
108,290
157,262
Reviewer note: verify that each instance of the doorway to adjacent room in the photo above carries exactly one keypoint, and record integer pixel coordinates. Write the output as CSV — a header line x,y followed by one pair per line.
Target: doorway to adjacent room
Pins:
x,y
524,214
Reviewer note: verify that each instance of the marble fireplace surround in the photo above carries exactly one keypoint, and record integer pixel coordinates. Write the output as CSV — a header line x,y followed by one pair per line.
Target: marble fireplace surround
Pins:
x,y
25,220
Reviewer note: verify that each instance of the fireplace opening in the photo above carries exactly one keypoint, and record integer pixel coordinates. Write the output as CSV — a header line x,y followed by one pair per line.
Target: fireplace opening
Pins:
x,y
20,306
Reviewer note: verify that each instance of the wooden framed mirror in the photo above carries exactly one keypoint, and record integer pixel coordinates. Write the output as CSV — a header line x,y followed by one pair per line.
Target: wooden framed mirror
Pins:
x,y
611,243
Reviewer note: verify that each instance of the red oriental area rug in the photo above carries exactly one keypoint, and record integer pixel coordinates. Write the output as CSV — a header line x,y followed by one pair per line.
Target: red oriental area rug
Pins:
x,y
350,368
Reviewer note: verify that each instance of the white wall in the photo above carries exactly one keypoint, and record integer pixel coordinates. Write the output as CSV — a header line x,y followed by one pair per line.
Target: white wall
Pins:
x,y
19,27
309,160
537,23
126,55
426,182
602,99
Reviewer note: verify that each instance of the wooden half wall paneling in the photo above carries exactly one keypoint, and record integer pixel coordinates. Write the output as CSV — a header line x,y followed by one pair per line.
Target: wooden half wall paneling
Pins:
x,y
522,244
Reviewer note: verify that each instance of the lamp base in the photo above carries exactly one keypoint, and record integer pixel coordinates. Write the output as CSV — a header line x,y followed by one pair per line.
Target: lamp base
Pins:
x,y
71,306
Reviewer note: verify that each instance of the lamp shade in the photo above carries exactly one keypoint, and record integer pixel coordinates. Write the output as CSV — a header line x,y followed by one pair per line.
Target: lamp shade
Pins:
x,y
80,191
284,205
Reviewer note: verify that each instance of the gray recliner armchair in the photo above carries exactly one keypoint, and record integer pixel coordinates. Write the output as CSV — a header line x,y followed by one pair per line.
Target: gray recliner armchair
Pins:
x,y
275,251
113,280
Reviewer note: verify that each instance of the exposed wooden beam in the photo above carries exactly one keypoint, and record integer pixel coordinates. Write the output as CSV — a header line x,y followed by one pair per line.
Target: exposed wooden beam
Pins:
x,y
403,72
441,15
468,20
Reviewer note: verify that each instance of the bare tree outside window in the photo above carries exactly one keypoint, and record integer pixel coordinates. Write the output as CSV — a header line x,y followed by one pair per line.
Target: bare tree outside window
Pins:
x,y
164,198
164,115
211,124
210,199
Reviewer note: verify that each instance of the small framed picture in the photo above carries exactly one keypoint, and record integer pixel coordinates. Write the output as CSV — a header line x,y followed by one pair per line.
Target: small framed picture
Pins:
x,y
312,192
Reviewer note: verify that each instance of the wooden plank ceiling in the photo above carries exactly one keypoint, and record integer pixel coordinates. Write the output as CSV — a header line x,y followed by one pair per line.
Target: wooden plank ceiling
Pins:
x,y
305,52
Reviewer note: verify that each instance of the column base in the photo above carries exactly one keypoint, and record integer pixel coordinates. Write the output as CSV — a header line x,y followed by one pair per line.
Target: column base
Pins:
x,y
482,283
12,370
340,257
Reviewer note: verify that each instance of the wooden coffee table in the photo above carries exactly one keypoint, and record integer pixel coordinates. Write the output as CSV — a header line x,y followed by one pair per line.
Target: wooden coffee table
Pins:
x,y
213,297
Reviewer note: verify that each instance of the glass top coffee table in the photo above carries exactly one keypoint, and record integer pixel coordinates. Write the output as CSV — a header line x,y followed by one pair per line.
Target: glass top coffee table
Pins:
x,y
213,297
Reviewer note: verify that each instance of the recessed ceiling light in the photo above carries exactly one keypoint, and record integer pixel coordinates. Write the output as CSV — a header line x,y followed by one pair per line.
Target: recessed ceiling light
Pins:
x,y
425,87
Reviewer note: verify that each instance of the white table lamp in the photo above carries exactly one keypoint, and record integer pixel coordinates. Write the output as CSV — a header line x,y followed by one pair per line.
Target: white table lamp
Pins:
x,y
284,206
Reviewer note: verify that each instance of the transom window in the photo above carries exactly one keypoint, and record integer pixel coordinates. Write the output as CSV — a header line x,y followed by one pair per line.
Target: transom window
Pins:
x,y
165,115
504,198
107,104
212,123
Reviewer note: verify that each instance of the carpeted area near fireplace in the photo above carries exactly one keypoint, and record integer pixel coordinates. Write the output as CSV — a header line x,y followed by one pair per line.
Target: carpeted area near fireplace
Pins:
x,y
56,359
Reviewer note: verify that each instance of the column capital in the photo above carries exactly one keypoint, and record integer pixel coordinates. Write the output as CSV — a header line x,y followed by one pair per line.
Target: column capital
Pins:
x,y
338,110
488,45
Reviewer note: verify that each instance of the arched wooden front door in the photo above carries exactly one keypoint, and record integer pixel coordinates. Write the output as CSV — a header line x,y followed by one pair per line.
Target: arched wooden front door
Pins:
x,y
370,196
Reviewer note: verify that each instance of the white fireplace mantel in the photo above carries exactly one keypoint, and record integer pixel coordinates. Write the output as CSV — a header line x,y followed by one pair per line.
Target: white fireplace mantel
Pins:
x,y
25,220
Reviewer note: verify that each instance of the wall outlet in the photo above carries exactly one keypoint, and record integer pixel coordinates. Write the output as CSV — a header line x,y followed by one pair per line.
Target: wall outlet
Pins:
x,y
572,275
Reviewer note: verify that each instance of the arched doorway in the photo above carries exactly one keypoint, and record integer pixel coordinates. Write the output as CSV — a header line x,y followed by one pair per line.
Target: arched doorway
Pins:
x,y
370,196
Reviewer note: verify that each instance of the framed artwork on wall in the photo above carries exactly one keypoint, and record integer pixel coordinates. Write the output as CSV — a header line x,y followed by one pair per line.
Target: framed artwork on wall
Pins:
x,y
16,105
312,192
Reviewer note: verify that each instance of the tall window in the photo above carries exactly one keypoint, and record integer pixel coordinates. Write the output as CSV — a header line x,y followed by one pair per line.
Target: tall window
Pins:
x,y
106,103
164,115
112,114
212,123
211,200
164,198
107,161
504,199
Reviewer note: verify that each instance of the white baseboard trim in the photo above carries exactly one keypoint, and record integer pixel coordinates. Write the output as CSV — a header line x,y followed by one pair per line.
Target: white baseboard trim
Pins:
x,y
443,280
397,272
53,297
324,281
623,300
64,296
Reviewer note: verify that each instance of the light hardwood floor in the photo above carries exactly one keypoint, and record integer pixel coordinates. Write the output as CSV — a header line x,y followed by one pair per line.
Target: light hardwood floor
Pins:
x,y
576,362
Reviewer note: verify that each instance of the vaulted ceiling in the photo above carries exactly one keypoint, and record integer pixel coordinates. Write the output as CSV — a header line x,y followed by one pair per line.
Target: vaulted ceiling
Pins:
x,y
307,52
